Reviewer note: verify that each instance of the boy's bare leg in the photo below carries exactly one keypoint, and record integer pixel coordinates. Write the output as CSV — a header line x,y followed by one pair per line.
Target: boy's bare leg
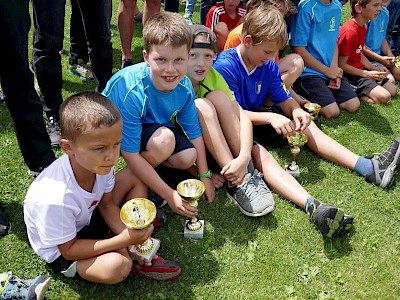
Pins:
x,y
290,67
390,87
128,186
126,25
395,73
378,95
212,133
150,8
328,148
280,181
109,268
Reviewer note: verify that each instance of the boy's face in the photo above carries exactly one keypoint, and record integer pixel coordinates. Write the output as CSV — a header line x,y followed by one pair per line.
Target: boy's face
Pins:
x,y
96,151
371,10
257,55
200,62
167,65
230,5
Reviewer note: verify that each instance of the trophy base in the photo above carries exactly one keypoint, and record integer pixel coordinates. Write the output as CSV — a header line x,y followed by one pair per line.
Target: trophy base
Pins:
x,y
194,234
148,256
295,173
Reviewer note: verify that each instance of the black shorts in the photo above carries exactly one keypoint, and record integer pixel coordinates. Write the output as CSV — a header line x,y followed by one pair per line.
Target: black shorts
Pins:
x,y
362,85
315,89
181,140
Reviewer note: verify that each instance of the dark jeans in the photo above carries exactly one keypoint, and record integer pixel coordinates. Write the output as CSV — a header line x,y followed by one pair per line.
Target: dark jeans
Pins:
x,y
48,38
17,82
205,6
393,38
77,36
96,17
171,5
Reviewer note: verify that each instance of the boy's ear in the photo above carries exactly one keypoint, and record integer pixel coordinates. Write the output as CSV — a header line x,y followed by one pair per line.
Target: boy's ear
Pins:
x,y
66,146
358,8
248,40
146,57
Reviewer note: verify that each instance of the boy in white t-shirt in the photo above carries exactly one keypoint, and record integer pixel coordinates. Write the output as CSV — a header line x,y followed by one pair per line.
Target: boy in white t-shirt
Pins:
x,y
69,208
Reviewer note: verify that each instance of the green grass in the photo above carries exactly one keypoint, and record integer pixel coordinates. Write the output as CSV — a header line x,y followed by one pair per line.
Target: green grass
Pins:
x,y
279,256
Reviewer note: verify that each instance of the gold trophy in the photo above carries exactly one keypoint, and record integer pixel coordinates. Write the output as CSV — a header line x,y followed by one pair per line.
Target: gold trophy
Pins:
x,y
313,109
139,213
295,141
191,190
397,62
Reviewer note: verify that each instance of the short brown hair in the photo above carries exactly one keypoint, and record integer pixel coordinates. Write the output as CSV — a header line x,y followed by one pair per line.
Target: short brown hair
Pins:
x,y
84,111
166,28
265,23
353,3
286,7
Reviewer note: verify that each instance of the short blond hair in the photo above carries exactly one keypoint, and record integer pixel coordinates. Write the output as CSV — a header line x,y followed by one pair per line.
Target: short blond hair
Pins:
x,y
166,28
265,23
85,111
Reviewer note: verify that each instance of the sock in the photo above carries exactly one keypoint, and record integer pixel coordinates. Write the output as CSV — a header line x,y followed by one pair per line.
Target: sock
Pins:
x,y
363,166
311,205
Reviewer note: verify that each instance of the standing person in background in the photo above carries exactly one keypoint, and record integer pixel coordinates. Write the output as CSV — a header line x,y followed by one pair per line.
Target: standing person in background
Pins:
x,y
21,98
393,33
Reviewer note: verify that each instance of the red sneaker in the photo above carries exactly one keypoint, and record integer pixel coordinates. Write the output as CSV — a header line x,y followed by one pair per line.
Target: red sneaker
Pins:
x,y
160,270
160,219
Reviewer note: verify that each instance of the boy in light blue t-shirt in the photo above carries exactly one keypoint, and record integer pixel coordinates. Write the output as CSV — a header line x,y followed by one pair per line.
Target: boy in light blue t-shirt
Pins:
x,y
377,48
160,122
314,38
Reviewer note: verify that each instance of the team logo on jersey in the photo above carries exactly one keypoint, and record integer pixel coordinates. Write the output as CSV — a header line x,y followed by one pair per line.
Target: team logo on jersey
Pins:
x,y
332,24
284,87
381,29
94,203
258,87
359,49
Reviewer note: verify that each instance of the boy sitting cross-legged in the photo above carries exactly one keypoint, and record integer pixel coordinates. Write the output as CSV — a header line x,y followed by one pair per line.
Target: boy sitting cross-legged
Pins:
x,y
314,37
228,135
70,206
376,46
370,81
160,122
253,78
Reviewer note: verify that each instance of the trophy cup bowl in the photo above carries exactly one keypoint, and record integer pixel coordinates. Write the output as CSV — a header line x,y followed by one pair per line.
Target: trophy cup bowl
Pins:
x,y
295,142
192,190
313,109
397,62
139,213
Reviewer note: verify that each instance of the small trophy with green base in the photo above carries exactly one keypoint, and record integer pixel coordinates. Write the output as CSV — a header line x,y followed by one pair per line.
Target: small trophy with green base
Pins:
x,y
191,190
295,141
139,213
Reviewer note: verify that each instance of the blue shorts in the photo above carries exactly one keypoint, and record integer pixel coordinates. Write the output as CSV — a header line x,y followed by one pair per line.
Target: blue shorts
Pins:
x,y
315,89
181,140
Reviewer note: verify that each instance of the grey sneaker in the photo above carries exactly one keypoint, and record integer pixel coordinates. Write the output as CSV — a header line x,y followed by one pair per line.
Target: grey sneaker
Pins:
x,y
53,130
385,165
252,196
13,287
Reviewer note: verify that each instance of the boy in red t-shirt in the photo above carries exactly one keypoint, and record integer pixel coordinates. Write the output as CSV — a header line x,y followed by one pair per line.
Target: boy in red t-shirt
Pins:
x,y
370,81
222,18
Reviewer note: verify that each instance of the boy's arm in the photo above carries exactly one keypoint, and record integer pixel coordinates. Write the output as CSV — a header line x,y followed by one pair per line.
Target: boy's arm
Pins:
x,y
146,173
78,249
331,72
202,167
300,117
387,61
375,75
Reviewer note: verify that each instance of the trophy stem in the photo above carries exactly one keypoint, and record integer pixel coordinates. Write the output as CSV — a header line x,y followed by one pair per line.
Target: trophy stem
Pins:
x,y
146,247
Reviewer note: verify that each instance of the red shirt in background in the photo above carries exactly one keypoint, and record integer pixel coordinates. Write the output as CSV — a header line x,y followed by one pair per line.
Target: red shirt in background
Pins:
x,y
218,14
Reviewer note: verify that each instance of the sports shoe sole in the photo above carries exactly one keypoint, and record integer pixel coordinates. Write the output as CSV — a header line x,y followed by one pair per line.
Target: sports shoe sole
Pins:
x,y
266,211
334,225
157,276
80,76
41,289
388,176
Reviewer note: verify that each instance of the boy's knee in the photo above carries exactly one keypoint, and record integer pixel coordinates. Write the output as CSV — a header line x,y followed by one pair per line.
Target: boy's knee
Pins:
x,y
221,29
330,111
298,64
352,105
184,159
162,144
122,268
205,108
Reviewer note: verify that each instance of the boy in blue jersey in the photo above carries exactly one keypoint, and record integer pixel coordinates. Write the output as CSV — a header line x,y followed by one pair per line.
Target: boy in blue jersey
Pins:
x,y
160,122
314,38
254,78
376,46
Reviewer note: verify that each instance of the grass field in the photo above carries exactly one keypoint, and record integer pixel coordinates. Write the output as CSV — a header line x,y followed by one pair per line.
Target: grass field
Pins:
x,y
278,256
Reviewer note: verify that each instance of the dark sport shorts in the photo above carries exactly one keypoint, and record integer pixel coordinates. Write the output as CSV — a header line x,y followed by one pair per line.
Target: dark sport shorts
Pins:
x,y
315,89
362,85
181,140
